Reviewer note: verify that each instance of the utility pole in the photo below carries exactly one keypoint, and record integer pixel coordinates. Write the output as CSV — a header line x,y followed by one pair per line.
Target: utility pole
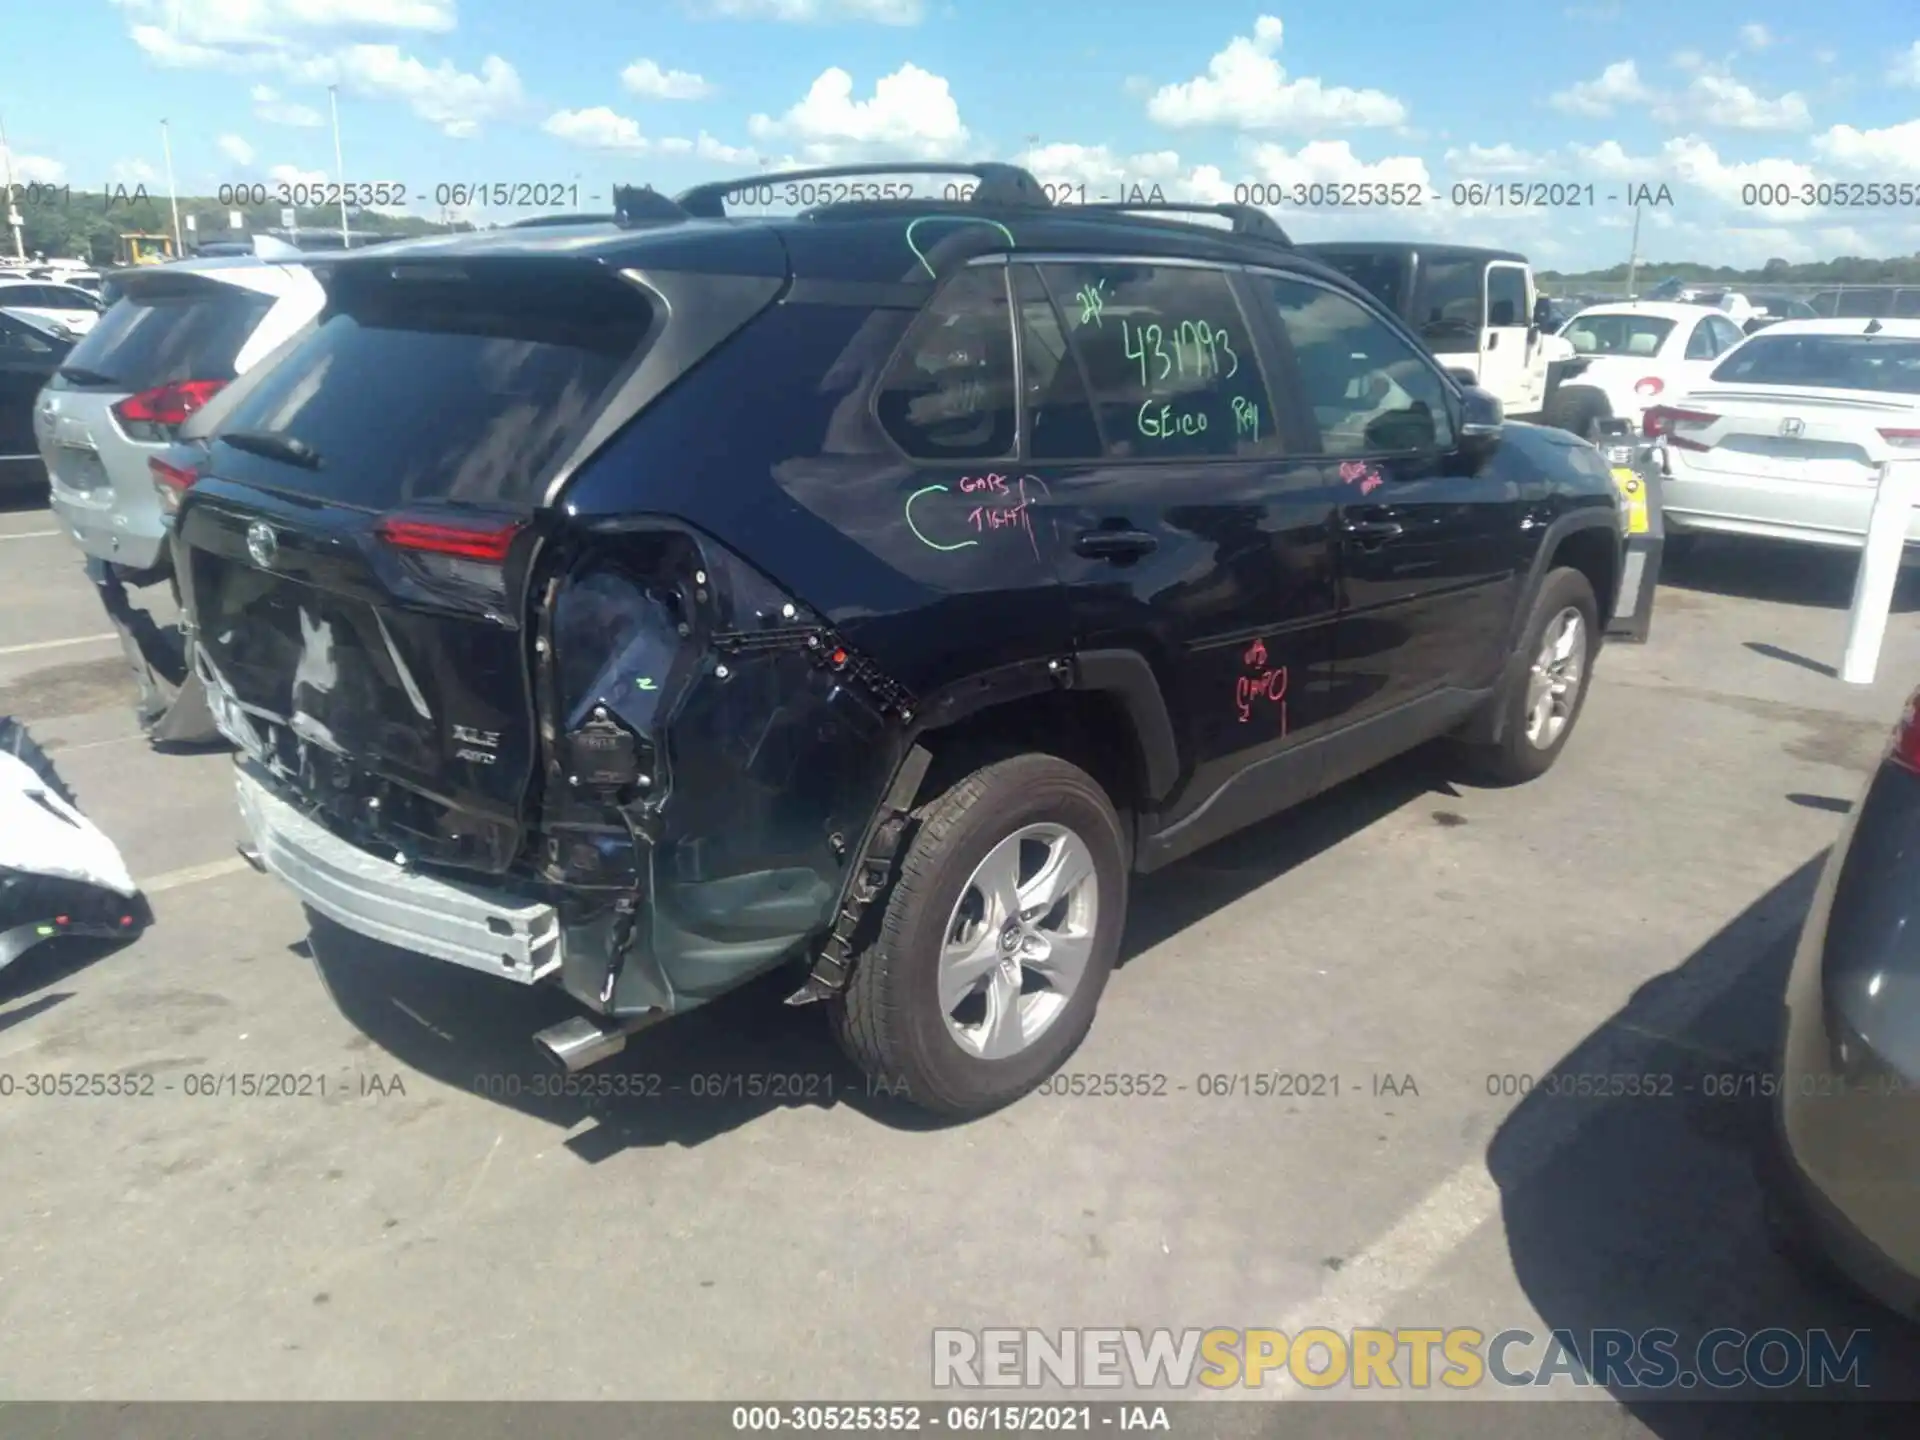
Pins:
x,y
1633,256
13,214
173,195
339,165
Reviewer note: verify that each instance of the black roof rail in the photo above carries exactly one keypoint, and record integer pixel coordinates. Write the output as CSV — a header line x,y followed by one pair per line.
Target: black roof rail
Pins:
x,y
538,221
1001,186
637,204
1247,220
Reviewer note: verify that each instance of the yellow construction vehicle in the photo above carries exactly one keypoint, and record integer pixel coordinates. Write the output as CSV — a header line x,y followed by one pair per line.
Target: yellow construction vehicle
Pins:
x,y
141,248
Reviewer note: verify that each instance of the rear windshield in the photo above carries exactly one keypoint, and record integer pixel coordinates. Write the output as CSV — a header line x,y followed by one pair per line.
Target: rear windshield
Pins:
x,y
451,391
1617,334
186,333
1829,362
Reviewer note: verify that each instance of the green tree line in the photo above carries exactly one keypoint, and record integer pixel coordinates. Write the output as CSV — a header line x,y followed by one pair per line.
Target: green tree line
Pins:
x,y
1846,270
63,224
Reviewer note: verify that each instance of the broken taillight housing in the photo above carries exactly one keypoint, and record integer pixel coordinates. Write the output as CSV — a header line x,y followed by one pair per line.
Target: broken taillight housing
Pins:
x,y
154,415
170,483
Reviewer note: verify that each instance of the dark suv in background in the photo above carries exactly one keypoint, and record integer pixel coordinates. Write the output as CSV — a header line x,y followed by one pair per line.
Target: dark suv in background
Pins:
x,y
644,605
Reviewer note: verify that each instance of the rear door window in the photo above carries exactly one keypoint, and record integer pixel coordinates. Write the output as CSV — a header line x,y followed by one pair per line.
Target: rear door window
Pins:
x,y
1169,358
458,390
188,331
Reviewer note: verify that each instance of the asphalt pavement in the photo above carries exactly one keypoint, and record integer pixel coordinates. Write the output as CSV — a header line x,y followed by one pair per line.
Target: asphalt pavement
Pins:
x,y
422,1221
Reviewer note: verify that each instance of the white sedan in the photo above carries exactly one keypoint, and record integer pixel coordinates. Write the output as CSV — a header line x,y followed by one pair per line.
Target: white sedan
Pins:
x,y
1630,355
67,306
1787,436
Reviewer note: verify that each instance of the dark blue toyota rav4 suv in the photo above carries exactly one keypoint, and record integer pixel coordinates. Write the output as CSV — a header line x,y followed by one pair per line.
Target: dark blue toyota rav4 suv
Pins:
x,y
638,606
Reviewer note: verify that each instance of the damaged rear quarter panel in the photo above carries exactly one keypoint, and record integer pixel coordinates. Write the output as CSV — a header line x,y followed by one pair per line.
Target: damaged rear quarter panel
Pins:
x,y
768,452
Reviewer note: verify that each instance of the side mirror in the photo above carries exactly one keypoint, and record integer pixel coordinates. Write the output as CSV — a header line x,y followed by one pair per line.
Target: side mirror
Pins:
x,y
1543,314
1464,376
1482,419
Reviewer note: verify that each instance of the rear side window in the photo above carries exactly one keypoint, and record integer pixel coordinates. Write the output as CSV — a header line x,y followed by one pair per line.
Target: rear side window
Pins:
x,y
1060,423
948,392
1169,359
1450,303
1835,362
425,390
187,333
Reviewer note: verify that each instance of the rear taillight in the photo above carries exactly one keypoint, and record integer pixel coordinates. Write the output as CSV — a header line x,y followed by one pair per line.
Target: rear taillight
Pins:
x,y
155,414
170,483
487,541
1650,386
469,555
1662,422
1903,439
1905,749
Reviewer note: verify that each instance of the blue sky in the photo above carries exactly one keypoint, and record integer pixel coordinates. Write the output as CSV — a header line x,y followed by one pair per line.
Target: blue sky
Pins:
x,y
1203,98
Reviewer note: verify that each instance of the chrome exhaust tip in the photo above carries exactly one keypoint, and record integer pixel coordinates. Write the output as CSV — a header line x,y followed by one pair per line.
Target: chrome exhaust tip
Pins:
x,y
582,1040
251,854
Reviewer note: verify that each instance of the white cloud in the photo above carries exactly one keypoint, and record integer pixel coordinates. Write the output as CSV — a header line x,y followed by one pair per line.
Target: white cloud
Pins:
x,y
705,148
455,100
882,12
1333,161
32,169
599,128
1245,86
1618,84
1722,100
1892,151
268,106
266,22
1689,60
912,114
1827,57
134,172
1906,70
236,149
646,78
1476,161
1756,37
294,175
162,48
1610,161
1695,162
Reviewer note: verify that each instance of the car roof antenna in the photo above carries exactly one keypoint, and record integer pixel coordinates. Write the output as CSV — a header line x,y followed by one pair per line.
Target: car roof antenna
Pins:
x,y
1874,327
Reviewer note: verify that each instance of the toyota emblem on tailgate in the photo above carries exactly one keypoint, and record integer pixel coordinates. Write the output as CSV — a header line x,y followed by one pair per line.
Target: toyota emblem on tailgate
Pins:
x,y
262,545
1791,426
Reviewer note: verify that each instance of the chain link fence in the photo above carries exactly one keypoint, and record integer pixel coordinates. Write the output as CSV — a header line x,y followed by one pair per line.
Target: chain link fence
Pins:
x,y
1861,301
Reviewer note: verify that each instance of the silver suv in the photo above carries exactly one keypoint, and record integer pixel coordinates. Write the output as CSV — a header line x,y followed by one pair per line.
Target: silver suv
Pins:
x,y
178,335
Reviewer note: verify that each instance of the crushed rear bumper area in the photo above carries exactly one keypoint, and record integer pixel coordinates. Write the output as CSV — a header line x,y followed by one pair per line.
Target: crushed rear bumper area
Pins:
x,y
483,928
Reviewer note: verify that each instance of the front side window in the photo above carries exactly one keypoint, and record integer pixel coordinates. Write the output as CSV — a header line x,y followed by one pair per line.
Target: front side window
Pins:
x,y
1371,391
1506,295
1168,357
948,393
1060,422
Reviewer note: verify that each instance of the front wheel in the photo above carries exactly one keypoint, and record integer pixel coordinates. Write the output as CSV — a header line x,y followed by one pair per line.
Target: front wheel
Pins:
x,y
1547,686
996,940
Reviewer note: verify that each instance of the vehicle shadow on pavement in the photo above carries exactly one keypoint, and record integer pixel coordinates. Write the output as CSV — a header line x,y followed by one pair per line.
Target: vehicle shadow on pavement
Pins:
x,y
1812,576
1646,1212
722,1066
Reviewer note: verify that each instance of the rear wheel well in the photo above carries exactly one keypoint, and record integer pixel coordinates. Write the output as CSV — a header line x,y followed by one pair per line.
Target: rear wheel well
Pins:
x,y
1595,553
1088,728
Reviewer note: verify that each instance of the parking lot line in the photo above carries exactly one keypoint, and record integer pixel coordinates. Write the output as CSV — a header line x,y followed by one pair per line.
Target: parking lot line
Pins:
x,y
193,874
31,535
55,644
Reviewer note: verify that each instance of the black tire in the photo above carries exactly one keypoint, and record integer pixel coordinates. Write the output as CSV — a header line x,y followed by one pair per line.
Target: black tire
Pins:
x,y
1577,410
890,1021
1514,759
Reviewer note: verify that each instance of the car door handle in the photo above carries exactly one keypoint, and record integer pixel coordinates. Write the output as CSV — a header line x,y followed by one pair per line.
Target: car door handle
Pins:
x,y
1114,544
1373,531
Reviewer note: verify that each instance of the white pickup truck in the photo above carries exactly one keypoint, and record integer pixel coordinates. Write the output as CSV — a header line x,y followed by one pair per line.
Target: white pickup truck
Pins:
x,y
1479,312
